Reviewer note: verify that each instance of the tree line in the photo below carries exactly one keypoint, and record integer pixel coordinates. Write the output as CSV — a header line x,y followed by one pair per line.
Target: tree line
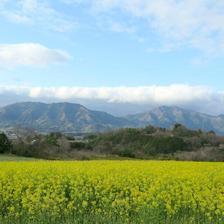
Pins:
x,y
143,143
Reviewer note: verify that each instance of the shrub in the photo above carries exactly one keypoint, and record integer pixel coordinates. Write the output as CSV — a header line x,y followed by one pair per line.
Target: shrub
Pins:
x,y
78,145
5,144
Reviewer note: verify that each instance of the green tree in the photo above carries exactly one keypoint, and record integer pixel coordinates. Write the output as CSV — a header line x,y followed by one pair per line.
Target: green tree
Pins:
x,y
5,144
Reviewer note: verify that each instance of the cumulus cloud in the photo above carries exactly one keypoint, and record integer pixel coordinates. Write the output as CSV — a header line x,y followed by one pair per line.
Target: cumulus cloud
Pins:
x,y
33,54
201,98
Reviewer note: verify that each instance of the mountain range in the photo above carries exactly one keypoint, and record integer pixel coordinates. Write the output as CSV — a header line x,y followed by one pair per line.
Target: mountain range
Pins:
x,y
70,117
60,117
168,116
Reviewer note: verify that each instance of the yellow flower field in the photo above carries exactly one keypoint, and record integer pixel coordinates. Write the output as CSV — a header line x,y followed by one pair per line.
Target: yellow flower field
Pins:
x,y
111,192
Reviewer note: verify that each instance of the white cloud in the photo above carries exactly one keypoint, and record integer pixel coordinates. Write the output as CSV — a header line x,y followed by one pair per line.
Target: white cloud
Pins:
x,y
36,12
198,24
173,94
201,98
33,54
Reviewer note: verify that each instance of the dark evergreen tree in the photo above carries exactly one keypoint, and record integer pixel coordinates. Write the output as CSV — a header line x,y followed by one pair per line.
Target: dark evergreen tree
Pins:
x,y
5,144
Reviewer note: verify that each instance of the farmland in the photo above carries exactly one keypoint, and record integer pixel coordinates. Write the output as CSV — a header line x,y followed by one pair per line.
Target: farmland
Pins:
x,y
111,192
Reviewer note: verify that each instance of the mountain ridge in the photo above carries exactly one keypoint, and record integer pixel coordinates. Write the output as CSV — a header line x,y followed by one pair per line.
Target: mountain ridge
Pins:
x,y
167,116
63,117
72,117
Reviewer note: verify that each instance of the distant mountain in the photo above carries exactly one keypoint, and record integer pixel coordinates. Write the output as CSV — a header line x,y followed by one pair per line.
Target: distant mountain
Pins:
x,y
63,117
167,116
70,117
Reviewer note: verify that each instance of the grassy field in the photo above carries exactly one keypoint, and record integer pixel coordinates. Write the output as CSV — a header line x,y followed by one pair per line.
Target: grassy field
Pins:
x,y
9,157
111,192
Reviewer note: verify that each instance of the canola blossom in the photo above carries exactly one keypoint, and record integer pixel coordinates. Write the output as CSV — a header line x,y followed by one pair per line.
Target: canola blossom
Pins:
x,y
111,191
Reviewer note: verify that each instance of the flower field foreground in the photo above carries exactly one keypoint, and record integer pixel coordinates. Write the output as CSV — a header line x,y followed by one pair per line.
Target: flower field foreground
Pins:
x,y
111,192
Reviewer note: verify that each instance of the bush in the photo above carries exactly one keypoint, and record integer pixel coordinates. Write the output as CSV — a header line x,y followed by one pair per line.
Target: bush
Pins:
x,y
165,145
78,145
52,139
150,129
126,152
5,144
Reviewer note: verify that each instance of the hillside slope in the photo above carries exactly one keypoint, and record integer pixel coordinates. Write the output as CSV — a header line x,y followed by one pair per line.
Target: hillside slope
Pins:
x,y
63,117
168,116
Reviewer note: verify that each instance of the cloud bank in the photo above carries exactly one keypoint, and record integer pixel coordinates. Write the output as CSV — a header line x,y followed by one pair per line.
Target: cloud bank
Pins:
x,y
26,54
200,98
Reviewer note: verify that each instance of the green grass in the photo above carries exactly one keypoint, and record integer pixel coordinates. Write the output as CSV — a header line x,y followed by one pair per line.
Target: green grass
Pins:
x,y
144,217
9,157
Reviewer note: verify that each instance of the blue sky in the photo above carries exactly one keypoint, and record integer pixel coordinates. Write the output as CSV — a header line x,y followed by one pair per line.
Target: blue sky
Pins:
x,y
147,47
